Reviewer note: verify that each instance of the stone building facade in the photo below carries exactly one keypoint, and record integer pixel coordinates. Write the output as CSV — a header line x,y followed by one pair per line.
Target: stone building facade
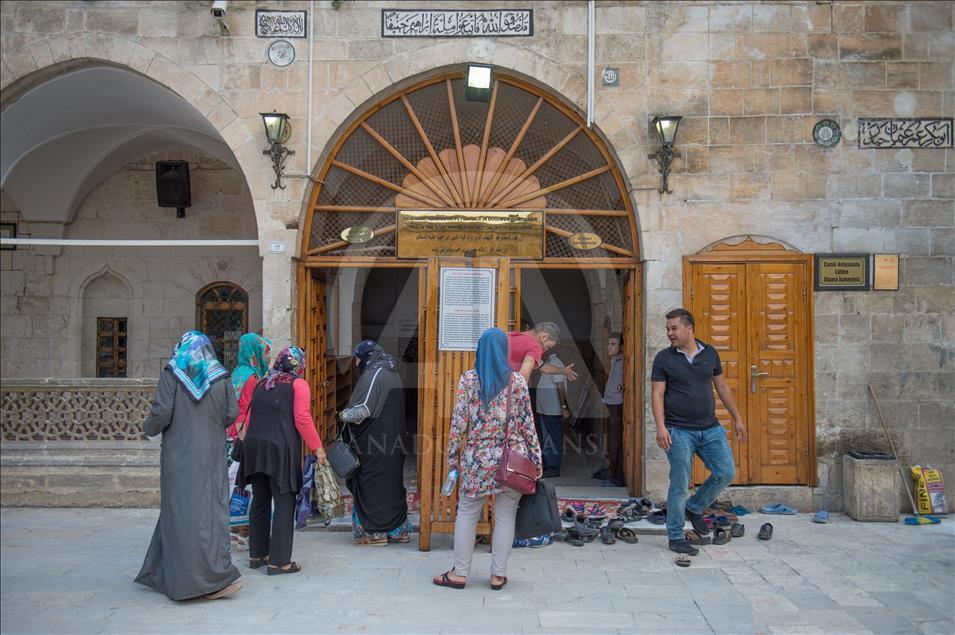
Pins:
x,y
750,80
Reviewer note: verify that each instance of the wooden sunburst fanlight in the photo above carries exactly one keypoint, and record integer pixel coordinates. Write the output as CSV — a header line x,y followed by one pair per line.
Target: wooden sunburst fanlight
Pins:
x,y
424,149
475,187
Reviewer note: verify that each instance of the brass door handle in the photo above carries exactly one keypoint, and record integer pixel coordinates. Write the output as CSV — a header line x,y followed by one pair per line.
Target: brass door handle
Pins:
x,y
753,376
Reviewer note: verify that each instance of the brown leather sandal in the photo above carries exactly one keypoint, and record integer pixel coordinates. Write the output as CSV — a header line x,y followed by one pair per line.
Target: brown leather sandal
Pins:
x,y
292,567
444,580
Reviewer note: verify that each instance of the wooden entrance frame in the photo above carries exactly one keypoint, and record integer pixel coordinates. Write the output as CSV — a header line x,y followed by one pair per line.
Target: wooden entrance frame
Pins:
x,y
752,250
497,180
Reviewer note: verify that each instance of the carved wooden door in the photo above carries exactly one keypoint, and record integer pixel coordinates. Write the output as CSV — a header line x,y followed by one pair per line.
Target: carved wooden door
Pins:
x,y
316,372
440,372
756,315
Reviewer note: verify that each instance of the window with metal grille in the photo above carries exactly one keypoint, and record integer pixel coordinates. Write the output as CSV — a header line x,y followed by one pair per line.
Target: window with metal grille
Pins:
x,y
111,347
222,313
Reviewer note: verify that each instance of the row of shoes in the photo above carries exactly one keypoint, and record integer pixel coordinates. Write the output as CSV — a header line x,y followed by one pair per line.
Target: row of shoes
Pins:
x,y
587,528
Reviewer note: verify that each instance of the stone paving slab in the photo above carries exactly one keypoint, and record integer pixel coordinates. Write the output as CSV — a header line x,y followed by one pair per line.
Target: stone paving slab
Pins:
x,y
70,571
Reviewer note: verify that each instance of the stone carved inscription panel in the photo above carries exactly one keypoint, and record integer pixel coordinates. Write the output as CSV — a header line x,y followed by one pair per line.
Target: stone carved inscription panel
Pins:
x,y
75,410
905,133
456,23
280,23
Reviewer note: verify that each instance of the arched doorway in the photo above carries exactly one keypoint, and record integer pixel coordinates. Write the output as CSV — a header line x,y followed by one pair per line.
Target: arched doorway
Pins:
x,y
427,182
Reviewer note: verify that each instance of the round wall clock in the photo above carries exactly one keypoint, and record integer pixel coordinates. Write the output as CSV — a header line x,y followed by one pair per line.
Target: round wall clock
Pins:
x,y
281,53
826,133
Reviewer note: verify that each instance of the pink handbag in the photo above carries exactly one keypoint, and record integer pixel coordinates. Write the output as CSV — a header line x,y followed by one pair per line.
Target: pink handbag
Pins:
x,y
515,470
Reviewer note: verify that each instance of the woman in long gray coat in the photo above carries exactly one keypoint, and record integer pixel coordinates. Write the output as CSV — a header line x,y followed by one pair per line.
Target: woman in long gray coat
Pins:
x,y
189,553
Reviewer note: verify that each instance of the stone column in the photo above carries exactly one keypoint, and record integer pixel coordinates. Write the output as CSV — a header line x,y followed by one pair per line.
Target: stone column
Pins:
x,y
278,221
278,298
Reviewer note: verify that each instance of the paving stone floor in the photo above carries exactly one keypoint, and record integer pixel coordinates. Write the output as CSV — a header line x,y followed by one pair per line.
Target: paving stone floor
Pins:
x,y
71,571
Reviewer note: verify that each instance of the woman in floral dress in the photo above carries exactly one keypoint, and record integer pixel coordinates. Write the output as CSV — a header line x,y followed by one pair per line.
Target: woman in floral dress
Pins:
x,y
487,396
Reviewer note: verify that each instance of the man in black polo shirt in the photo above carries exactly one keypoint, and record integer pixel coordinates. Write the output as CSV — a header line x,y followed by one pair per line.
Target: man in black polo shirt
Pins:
x,y
682,380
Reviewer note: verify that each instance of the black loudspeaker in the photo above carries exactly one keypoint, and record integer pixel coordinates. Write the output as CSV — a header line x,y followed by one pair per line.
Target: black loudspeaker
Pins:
x,y
172,186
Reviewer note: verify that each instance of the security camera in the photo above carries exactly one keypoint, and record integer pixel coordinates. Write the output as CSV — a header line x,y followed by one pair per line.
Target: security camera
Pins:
x,y
218,12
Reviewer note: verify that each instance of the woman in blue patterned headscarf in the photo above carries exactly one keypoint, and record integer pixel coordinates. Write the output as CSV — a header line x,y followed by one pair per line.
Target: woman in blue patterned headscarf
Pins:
x,y
195,365
189,553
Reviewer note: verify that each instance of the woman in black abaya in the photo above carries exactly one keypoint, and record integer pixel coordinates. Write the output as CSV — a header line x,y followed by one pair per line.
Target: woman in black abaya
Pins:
x,y
375,428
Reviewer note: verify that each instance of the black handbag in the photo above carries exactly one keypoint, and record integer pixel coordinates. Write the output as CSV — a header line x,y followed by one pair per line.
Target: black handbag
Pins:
x,y
537,513
236,454
342,458
241,429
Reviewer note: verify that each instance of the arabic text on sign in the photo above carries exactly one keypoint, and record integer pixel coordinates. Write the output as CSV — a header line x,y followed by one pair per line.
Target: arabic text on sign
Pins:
x,y
280,23
455,23
905,133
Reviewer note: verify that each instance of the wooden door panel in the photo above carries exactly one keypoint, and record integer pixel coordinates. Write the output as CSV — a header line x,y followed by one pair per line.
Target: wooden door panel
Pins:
x,y
755,314
718,304
441,371
778,348
777,449
315,350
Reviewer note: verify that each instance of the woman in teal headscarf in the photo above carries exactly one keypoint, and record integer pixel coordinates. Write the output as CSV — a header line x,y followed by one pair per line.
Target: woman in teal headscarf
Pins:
x,y
189,553
254,359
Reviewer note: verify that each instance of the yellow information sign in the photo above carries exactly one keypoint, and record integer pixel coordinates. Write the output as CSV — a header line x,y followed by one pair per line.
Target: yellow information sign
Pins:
x,y
475,233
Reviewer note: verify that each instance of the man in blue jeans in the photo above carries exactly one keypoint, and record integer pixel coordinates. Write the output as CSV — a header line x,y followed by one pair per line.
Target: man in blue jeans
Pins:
x,y
682,382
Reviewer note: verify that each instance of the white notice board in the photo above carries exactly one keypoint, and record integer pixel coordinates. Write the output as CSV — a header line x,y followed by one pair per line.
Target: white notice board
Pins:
x,y
467,307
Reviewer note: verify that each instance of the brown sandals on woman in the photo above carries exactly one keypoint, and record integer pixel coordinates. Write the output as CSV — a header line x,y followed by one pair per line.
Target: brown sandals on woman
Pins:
x,y
498,587
444,580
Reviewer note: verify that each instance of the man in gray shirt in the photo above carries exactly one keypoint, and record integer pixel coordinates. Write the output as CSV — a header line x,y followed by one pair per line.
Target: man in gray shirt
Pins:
x,y
613,399
551,406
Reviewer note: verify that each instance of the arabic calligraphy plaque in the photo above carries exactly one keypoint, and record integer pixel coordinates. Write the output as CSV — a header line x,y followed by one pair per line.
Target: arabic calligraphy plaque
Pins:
x,y
457,23
890,134
474,233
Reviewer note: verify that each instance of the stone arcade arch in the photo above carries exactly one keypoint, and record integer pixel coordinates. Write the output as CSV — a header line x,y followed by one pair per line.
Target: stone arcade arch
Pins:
x,y
424,148
120,120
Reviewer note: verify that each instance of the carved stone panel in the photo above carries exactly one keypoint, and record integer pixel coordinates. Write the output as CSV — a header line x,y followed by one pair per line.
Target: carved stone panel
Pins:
x,y
75,410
